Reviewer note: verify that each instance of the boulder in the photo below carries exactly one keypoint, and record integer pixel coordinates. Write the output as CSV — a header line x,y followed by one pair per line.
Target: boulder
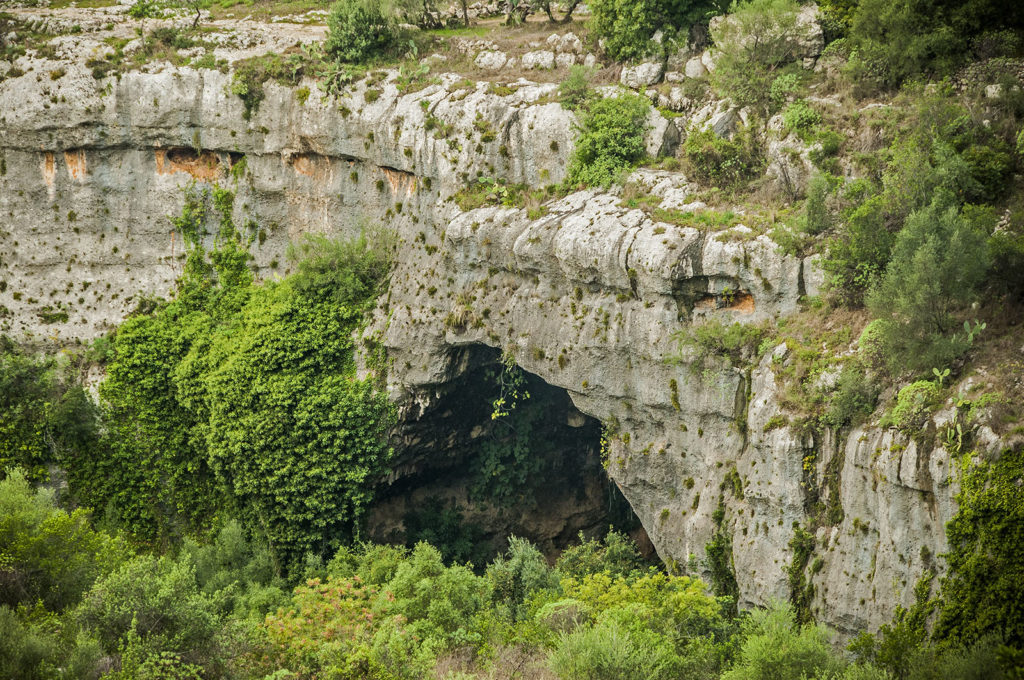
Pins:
x,y
540,59
695,68
642,75
662,137
491,60
723,123
707,58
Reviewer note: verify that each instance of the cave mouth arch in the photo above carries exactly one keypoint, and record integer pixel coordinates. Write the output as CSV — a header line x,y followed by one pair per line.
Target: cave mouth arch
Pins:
x,y
466,481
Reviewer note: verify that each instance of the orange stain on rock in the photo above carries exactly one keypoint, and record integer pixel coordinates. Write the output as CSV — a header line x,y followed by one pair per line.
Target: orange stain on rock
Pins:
x,y
401,182
204,165
49,169
311,165
75,160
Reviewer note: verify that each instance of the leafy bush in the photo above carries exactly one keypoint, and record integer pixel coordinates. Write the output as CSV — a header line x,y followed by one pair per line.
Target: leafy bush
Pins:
x,y
720,161
36,645
326,624
774,646
359,29
752,43
853,398
626,26
372,564
46,554
611,140
783,87
737,341
157,600
914,405
896,40
239,570
817,215
44,417
576,92
939,260
800,118
250,75
613,651
615,554
437,601
514,576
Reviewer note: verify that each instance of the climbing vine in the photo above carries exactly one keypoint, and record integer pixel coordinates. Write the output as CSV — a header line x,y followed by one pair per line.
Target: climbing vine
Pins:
x,y
801,591
719,556
244,397
981,594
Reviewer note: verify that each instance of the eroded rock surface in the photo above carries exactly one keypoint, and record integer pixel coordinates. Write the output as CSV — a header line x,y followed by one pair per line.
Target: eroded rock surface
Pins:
x,y
588,296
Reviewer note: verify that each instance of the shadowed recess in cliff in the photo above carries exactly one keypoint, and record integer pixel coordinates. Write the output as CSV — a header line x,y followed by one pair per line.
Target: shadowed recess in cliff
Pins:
x,y
500,452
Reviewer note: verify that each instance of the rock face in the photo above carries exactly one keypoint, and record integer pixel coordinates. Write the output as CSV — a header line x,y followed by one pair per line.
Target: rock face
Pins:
x,y
92,169
588,297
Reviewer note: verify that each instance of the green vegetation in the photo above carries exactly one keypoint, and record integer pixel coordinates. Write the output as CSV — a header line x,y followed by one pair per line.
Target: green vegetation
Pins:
x,y
979,595
723,162
611,140
759,38
242,396
45,416
895,41
938,262
575,92
250,75
627,26
360,29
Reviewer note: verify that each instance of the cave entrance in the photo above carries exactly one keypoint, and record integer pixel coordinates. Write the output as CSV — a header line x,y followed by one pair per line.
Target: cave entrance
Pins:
x,y
501,452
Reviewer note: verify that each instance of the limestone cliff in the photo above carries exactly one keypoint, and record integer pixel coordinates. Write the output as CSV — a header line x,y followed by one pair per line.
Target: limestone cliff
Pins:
x,y
587,296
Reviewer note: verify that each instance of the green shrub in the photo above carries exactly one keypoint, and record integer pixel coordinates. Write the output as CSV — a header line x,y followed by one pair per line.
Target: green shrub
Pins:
x,y
576,92
898,39
239,570
36,645
613,651
515,575
853,398
437,601
611,140
914,405
157,600
800,118
991,166
374,564
626,26
720,161
615,554
817,214
45,418
783,87
737,342
250,75
48,555
757,39
939,260
775,647
1007,250
359,29
872,343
